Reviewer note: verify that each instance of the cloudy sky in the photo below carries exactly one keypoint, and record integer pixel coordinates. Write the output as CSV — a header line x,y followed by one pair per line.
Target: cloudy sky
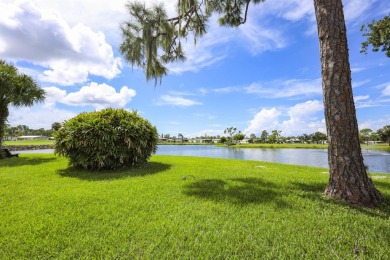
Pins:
x,y
264,75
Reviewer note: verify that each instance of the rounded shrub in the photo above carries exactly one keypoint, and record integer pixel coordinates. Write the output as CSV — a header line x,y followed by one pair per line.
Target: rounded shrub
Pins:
x,y
106,139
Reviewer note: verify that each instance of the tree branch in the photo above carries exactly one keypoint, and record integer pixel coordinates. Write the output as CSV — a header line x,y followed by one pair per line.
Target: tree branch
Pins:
x,y
246,11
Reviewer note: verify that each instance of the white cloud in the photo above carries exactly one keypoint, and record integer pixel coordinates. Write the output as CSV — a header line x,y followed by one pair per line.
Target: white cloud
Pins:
x,y
376,102
226,90
296,10
357,69
276,89
53,95
265,119
375,124
359,83
360,98
68,54
97,95
206,52
259,39
353,9
302,118
366,101
287,88
291,10
70,51
100,15
177,101
38,116
386,91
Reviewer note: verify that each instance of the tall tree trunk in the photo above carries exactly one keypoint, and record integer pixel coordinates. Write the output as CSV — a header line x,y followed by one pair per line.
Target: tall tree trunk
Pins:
x,y
348,179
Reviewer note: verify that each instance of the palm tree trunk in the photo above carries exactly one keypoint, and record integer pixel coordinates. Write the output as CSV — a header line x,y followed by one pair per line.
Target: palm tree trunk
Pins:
x,y
348,179
3,117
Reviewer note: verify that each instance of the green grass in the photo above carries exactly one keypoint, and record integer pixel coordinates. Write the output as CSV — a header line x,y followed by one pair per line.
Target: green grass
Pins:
x,y
29,142
182,208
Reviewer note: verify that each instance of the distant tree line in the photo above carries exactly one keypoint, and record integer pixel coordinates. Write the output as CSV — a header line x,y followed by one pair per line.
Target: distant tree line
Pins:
x,y
276,137
367,135
232,137
10,132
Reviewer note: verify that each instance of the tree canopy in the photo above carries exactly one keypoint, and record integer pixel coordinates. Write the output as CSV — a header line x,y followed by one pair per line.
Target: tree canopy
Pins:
x,y
378,35
16,89
384,133
151,39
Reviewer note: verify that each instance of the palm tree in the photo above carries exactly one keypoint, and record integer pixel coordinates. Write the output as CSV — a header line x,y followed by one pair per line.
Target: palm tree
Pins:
x,y
56,126
16,89
230,131
180,135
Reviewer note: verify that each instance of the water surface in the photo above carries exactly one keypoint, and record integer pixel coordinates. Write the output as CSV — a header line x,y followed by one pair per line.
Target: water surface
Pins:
x,y
377,161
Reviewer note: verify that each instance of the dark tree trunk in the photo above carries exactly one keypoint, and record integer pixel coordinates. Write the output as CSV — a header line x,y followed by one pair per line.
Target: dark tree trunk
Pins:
x,y
348,179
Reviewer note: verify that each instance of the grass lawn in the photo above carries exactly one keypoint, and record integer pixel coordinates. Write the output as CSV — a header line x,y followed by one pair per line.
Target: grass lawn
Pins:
x,y
182,208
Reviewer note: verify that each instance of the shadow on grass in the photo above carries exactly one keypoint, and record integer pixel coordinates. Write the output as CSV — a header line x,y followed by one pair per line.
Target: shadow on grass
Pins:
x,y
144,170
315,191
22,161
309,190
240,191
383,185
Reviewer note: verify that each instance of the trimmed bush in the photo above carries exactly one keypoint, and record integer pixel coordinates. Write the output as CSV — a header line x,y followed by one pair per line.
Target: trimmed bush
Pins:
x,y
106,139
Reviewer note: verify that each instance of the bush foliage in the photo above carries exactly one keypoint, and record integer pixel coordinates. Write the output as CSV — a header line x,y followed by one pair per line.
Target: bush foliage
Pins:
x,y
107,139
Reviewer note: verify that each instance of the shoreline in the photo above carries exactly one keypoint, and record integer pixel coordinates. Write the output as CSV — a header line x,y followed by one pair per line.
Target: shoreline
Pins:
x,y
386,148
15,148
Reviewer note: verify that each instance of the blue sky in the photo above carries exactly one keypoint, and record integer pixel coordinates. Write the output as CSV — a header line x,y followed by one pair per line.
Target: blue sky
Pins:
x,y
264,75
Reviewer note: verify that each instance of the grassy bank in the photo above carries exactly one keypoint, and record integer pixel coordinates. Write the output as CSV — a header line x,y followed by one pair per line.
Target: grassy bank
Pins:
x,y
382,147
182,208
29,142
283,146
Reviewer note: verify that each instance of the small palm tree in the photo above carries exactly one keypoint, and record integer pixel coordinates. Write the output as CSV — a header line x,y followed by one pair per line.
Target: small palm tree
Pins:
x,y
56,126
180,135
16,89
230,131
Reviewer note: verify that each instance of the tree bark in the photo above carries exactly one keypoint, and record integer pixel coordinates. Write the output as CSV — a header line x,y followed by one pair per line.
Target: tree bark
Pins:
x,y
348,179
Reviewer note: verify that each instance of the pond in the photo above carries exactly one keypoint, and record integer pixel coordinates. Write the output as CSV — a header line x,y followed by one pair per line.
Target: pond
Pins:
x,y
377,161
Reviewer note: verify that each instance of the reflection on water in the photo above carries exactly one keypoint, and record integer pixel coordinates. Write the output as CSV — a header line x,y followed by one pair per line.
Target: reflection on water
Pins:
x,y
377,161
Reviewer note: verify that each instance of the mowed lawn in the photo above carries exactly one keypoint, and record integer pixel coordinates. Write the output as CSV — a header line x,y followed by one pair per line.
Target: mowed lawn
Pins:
x,y
182,208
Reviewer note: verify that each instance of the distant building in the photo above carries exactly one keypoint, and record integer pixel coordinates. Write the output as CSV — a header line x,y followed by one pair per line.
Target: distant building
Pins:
x,y
173,140
293,141
32,137
201,140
